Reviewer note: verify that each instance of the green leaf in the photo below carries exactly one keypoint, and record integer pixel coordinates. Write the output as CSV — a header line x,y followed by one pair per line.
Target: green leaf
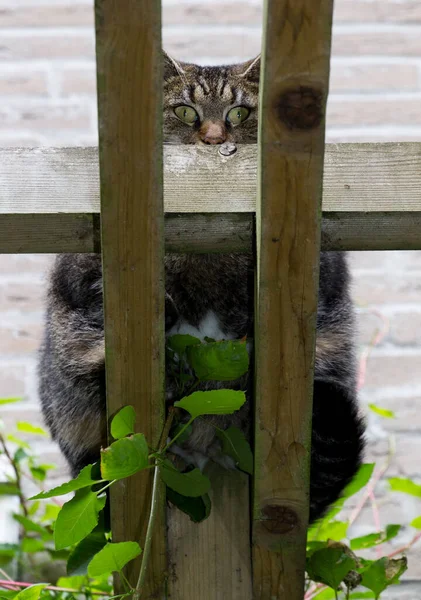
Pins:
x,y
33,509
84,552
329,530
9,400
406,486
382,573
329,566
84,479
7,553
191,484
362,595
113,557
178,343
234,444
29,428
77,518
20,454
29,525
374,539
360,480
125,457
51,512
31,593
75,582
123,422
8,489
383,412
219,361
198,509
416,523
38,473
31,545
214,402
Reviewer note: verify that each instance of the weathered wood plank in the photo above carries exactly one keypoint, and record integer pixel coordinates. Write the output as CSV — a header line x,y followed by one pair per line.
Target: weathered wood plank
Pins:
x,y
221,232
128,47
357,177
293,93
212,560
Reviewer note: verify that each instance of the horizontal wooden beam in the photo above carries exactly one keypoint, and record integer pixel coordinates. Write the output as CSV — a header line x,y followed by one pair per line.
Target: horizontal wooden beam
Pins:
x,y
49,198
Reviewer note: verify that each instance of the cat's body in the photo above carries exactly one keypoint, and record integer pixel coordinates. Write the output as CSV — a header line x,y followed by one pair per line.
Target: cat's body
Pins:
x,y
207,295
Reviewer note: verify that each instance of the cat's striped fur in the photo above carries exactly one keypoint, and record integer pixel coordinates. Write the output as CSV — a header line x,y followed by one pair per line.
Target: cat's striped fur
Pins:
x,y
202,291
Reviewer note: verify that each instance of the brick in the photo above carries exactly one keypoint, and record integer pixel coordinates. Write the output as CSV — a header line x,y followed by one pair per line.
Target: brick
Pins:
x,y
76,81
369,324
407,414
241,43
42,45
46,117
11,418
43,14
9,139
373,111
373,78
20,340
373,134
393,371
212,13
373,260
377,11
24,263
12,385
405,329
387,288
405,462
21,296
401,41
23,82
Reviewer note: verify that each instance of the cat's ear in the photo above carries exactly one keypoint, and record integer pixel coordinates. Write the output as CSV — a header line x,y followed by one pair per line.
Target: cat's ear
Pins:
x,y
171,67
250,70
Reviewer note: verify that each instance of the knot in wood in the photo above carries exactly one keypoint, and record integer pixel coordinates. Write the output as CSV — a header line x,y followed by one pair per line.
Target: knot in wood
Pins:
x,y
300,108
279,519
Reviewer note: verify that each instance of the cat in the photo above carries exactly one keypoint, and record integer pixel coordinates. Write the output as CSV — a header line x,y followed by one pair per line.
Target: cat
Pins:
x,y
206,295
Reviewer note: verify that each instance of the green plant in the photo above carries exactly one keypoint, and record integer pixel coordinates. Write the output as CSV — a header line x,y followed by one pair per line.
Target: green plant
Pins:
x,y
77,531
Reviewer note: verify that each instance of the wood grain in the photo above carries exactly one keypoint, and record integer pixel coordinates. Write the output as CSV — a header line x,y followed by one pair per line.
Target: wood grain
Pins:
x,y
357,178
293,93
212,560
365,191
128,47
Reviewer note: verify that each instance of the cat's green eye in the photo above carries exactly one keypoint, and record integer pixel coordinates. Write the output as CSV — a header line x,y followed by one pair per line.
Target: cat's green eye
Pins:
x,y
186,114
237,115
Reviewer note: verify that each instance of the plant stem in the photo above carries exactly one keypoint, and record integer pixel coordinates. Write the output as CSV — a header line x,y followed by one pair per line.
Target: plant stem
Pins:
x,y
105,486
21,584
182,430
149,532
17,475
414,540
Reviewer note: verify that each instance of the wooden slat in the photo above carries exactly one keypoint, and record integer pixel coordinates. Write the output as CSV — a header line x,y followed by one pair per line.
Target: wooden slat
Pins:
x,y
293,92
365,191
223,232
212,560
357,177
128,36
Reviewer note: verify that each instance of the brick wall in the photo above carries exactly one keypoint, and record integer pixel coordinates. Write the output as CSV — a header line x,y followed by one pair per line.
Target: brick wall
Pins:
x,y
47,93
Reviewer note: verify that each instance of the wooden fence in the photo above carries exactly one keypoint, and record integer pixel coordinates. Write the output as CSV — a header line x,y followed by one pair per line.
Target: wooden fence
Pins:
x,y
253,545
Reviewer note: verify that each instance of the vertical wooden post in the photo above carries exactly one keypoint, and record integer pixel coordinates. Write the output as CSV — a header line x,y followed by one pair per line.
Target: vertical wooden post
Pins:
x,y
130,115
293,96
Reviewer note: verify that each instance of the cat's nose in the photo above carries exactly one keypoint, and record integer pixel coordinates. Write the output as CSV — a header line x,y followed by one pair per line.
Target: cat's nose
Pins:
x,y
213,133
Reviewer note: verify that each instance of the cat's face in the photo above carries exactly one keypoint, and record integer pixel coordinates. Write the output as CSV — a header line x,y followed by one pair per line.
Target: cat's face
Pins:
x,y
210,105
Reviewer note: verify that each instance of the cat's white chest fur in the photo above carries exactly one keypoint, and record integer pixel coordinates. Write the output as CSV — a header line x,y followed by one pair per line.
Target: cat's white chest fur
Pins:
x,y
209,327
